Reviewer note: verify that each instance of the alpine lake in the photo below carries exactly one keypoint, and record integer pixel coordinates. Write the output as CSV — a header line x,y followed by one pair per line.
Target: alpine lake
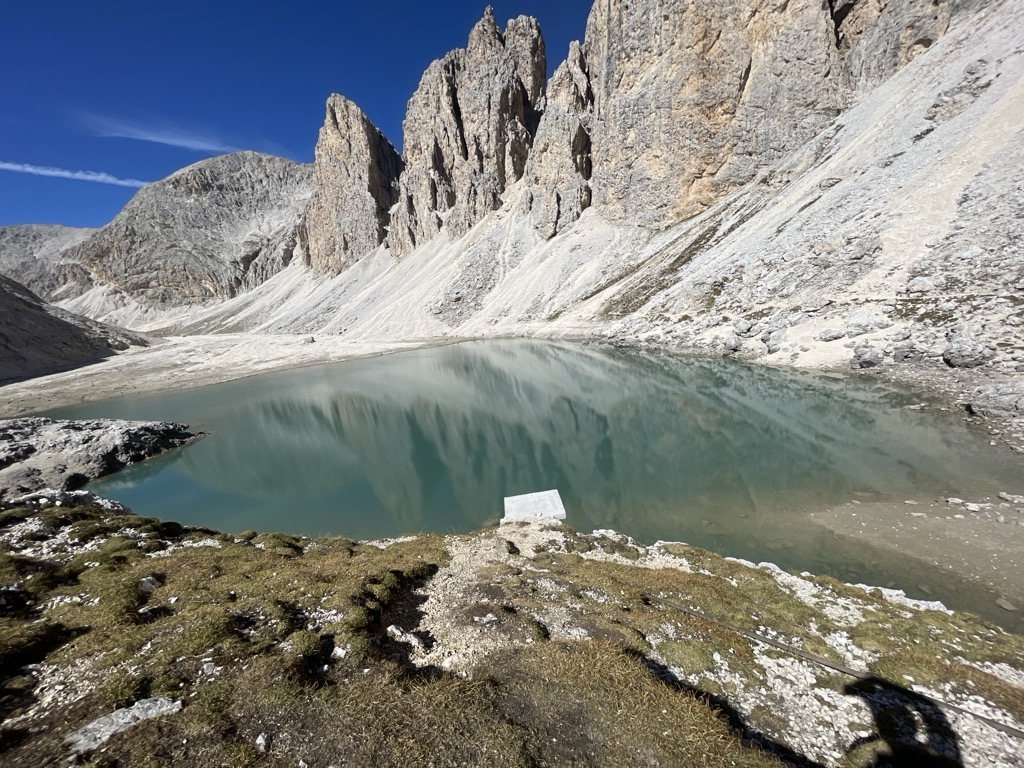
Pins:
x,y
715,453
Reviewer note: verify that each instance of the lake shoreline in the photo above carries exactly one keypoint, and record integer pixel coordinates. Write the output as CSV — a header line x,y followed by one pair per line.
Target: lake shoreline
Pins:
x,y
187,362
192,362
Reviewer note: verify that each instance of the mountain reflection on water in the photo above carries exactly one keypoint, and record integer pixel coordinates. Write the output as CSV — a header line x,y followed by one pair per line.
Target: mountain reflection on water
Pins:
x,y
711,452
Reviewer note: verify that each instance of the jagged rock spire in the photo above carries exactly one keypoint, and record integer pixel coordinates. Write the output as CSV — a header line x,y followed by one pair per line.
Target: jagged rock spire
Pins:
x,y
468,129
355,177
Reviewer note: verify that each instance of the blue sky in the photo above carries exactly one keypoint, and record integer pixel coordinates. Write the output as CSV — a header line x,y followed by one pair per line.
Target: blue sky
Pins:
x,y
131,90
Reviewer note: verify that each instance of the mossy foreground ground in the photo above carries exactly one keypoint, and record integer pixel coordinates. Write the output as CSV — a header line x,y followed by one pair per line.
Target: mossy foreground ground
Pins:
x,y
518,647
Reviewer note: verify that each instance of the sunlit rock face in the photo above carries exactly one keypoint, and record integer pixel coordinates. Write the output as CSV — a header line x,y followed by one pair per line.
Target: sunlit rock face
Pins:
x,y
355,176
689,102
207,232
468,131
561,165
31,254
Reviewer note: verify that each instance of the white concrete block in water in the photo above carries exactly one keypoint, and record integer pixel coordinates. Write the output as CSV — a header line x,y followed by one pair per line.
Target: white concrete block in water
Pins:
x,y
546,506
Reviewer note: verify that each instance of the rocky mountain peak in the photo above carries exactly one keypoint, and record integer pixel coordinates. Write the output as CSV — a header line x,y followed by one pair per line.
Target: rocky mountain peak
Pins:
x,y
485,31
524,44
355,176
209,231
469,129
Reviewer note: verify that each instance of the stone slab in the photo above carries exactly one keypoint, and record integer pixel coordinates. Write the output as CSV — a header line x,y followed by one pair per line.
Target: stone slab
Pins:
x,y
546,505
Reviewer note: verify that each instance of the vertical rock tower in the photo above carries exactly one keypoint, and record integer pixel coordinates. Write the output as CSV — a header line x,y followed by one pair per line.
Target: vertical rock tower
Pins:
x,y
355,175
469,129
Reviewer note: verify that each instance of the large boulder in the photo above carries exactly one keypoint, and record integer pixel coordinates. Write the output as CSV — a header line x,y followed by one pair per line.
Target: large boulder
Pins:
x,y
967,352
1005,399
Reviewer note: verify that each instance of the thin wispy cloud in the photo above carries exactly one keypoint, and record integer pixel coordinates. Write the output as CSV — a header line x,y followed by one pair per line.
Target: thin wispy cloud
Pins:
x,y
169,136
63,173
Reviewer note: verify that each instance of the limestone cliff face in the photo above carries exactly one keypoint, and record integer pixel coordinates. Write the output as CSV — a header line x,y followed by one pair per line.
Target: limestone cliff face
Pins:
x,y
209,231
468,131
561,164
689,102
667,108
877,38
355,177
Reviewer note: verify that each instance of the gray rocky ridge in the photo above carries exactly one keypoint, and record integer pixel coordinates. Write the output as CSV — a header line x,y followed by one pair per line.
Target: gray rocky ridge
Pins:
x,y
37,338
206,233
31,254
877,38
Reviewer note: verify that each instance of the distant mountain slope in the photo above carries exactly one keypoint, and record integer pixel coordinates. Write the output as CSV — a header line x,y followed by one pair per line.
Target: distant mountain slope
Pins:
x,y
36,338
32,255
203,234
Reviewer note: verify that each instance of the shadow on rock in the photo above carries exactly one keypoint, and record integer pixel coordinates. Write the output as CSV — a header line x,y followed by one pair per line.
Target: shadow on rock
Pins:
x,y
910,729
741,729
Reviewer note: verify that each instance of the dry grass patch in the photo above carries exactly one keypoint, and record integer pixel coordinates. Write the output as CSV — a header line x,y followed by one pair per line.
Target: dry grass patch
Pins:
x,y
591,703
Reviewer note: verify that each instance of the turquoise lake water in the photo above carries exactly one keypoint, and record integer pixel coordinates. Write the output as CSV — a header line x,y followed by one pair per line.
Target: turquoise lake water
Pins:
x,y
712,452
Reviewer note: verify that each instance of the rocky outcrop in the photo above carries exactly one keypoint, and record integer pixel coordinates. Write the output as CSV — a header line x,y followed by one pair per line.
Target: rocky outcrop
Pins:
x,y
877,38
1005,400
468,131
38,453
355,179
37,338
209,231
